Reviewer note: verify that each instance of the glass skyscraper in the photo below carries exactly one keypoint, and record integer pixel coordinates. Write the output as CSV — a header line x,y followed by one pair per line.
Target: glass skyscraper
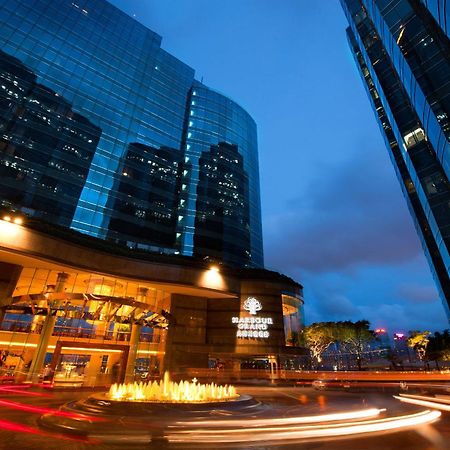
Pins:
x,y
103,131
402,50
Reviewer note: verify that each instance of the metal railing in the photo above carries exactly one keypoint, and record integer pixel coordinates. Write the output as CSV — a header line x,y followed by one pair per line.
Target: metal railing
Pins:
x,y
17,326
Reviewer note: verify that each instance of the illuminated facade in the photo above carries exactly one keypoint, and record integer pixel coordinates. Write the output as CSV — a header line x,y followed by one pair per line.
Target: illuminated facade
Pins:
x,y
131,180
402,51
104,132
73,314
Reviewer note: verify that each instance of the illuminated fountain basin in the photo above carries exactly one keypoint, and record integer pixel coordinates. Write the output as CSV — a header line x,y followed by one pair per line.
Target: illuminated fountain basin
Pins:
x,y
203,415
167,391
195,414
158,404
166,398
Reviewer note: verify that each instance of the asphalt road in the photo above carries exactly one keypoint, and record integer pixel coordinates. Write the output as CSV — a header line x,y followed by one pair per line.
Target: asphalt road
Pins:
x,y
20,410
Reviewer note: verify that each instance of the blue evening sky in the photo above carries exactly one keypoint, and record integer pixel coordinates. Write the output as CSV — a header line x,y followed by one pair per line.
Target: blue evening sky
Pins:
x,y
334,217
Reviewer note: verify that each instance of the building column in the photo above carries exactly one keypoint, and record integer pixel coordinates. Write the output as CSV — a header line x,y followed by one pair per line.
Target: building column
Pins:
x,y
134,344
274,364
9,276
134,339
37,363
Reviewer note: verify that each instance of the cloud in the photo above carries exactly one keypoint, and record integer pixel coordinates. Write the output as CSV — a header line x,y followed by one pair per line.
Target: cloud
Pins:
x,y
330,294
336,306
417,293
348,237
332,298
354,216
404,317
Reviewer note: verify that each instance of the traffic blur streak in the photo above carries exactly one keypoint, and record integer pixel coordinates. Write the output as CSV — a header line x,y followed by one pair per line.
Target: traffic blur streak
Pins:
x,y
274,434
307,377
42,410
6,425
429,402
21,389
363,414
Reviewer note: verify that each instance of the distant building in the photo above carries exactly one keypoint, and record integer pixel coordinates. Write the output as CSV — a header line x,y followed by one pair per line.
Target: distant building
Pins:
x,y
402,50
382,339
401,348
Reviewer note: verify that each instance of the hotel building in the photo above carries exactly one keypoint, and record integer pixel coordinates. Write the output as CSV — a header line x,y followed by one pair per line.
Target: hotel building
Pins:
x,y
131,238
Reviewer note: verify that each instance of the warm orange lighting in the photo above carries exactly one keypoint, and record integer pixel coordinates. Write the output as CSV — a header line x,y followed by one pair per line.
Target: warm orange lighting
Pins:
x,y
170,392
7,218
150,352
18,344
18,221
212,278
8,230
322,401
88,349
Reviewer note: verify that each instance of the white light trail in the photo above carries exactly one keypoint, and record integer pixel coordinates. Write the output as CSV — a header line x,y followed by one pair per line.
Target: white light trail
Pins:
x,y
362,414
424,401
267,434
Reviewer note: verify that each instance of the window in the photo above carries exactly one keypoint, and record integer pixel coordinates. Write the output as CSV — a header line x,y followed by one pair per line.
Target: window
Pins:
x,y
414,137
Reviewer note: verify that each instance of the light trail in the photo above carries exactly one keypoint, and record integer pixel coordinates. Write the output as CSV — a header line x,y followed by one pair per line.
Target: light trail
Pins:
x,y
271,434
25,429
424,401
43,410
363,414
438,398
21,390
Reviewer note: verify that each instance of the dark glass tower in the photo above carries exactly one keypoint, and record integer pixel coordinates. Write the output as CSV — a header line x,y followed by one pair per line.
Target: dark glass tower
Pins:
x,y
149,191
46,147
103,131
403,55
222,224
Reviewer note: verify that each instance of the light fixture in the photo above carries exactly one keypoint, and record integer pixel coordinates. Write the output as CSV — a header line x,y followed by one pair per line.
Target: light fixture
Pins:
x,y
18,221
214,268
7,218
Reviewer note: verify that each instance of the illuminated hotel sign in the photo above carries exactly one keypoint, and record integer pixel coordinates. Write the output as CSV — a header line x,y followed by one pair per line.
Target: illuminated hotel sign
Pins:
x,y
252,327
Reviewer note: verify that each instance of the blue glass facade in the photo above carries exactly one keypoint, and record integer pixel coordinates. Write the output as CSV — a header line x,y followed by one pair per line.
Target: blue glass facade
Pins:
x,y
212,119
440,9
102,131
404,59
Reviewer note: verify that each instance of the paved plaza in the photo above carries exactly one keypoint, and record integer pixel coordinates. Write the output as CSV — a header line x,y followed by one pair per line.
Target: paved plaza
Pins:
x,y
21,409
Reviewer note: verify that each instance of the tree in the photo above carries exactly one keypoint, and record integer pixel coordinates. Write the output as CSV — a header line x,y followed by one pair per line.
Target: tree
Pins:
x,y
354,337
438,348
318,337
418,341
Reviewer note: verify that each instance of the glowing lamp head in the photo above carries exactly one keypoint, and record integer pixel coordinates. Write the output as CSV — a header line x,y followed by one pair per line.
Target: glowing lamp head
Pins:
x,y
18,221
212,278
7,218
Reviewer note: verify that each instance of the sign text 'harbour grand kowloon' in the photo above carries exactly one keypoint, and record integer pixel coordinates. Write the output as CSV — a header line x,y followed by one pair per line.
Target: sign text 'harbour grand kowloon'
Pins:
x,y
252,327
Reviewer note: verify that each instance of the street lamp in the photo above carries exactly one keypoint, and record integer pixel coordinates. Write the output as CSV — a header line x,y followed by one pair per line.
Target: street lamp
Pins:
x,y
18,220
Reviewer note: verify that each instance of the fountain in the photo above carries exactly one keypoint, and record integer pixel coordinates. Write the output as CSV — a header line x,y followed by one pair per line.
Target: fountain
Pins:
x,y
160,405
170,392
168,414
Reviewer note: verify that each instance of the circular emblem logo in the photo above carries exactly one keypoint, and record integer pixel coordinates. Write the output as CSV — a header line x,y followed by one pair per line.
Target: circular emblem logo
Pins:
x,y
252,305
